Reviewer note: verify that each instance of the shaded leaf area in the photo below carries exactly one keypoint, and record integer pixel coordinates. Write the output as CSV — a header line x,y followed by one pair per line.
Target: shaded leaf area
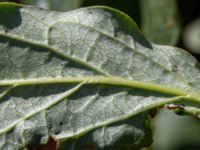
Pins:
x,y
86,78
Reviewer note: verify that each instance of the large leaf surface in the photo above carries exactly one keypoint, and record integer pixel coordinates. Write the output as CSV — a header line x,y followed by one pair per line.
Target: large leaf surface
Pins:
x,y
87,78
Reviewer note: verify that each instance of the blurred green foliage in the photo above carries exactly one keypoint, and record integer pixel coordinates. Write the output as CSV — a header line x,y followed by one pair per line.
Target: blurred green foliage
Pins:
x,y
192,36
160,21
174,132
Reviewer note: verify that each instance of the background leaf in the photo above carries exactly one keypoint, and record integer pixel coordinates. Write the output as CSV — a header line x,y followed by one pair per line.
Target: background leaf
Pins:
x,y
192,36
160,21
176,132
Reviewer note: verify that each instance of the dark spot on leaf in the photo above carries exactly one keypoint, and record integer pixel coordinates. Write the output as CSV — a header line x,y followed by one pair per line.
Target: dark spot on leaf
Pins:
x,y
61,123
56,132
175,68
90,12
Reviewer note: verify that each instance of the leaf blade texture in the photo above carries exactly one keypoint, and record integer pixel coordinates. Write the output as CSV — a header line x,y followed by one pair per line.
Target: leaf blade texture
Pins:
x,y
86,78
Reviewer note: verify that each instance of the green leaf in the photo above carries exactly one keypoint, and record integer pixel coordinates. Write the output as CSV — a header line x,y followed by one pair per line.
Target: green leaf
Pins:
x,y
86,78
160,21
175,138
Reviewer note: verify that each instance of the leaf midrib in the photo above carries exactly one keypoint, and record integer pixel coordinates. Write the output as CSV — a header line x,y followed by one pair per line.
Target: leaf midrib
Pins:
x,y
119,41
98,70
133,49
77,60
105,80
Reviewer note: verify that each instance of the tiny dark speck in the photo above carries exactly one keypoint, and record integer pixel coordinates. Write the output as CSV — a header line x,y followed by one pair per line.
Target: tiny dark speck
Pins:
x,y
175,68
61,123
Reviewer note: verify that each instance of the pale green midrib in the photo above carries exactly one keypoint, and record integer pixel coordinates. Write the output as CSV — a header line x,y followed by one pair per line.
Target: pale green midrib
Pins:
x,y
104,80
91,66
56,51
107,35
63,96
